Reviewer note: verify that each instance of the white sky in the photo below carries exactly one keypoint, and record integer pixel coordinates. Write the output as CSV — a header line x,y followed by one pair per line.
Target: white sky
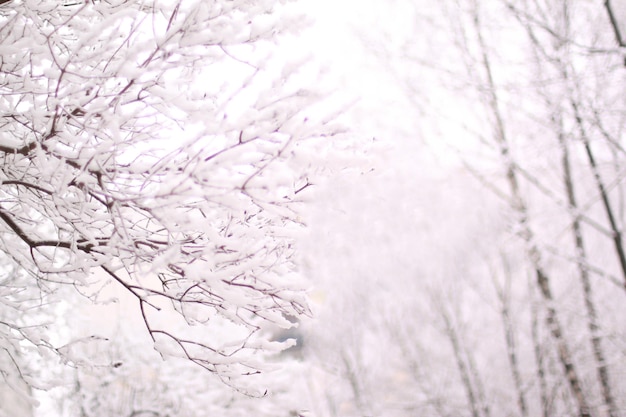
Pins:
x,y
338,38
364,42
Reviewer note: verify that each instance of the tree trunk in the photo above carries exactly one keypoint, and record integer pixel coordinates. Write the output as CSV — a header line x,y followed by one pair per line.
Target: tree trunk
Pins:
x,y
592,320
546,408
504,294
464,370
526,233
606,202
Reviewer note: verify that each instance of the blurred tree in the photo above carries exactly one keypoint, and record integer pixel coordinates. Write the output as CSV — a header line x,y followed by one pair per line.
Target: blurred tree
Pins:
x,y
517,315
536,78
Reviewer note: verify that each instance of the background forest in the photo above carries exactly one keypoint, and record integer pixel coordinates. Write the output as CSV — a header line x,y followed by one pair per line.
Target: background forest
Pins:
x,y
491,283
432,193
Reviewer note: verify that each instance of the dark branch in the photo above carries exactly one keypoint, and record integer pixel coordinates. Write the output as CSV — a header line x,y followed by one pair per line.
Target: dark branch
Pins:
x,y
85,247
614,23
24,150
26,184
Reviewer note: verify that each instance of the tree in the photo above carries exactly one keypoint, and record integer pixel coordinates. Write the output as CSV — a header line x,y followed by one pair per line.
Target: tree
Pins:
x,y
147,145
517,315
528,77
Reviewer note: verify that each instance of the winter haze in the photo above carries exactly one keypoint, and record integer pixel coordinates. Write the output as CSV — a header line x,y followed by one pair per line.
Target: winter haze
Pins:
x,y
312,208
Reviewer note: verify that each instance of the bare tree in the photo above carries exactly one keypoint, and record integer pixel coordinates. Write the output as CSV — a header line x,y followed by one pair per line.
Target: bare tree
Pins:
x,y
503,292
526,233
554,56
529,90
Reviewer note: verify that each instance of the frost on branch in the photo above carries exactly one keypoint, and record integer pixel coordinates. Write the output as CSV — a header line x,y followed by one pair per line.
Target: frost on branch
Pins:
x,y
144,142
